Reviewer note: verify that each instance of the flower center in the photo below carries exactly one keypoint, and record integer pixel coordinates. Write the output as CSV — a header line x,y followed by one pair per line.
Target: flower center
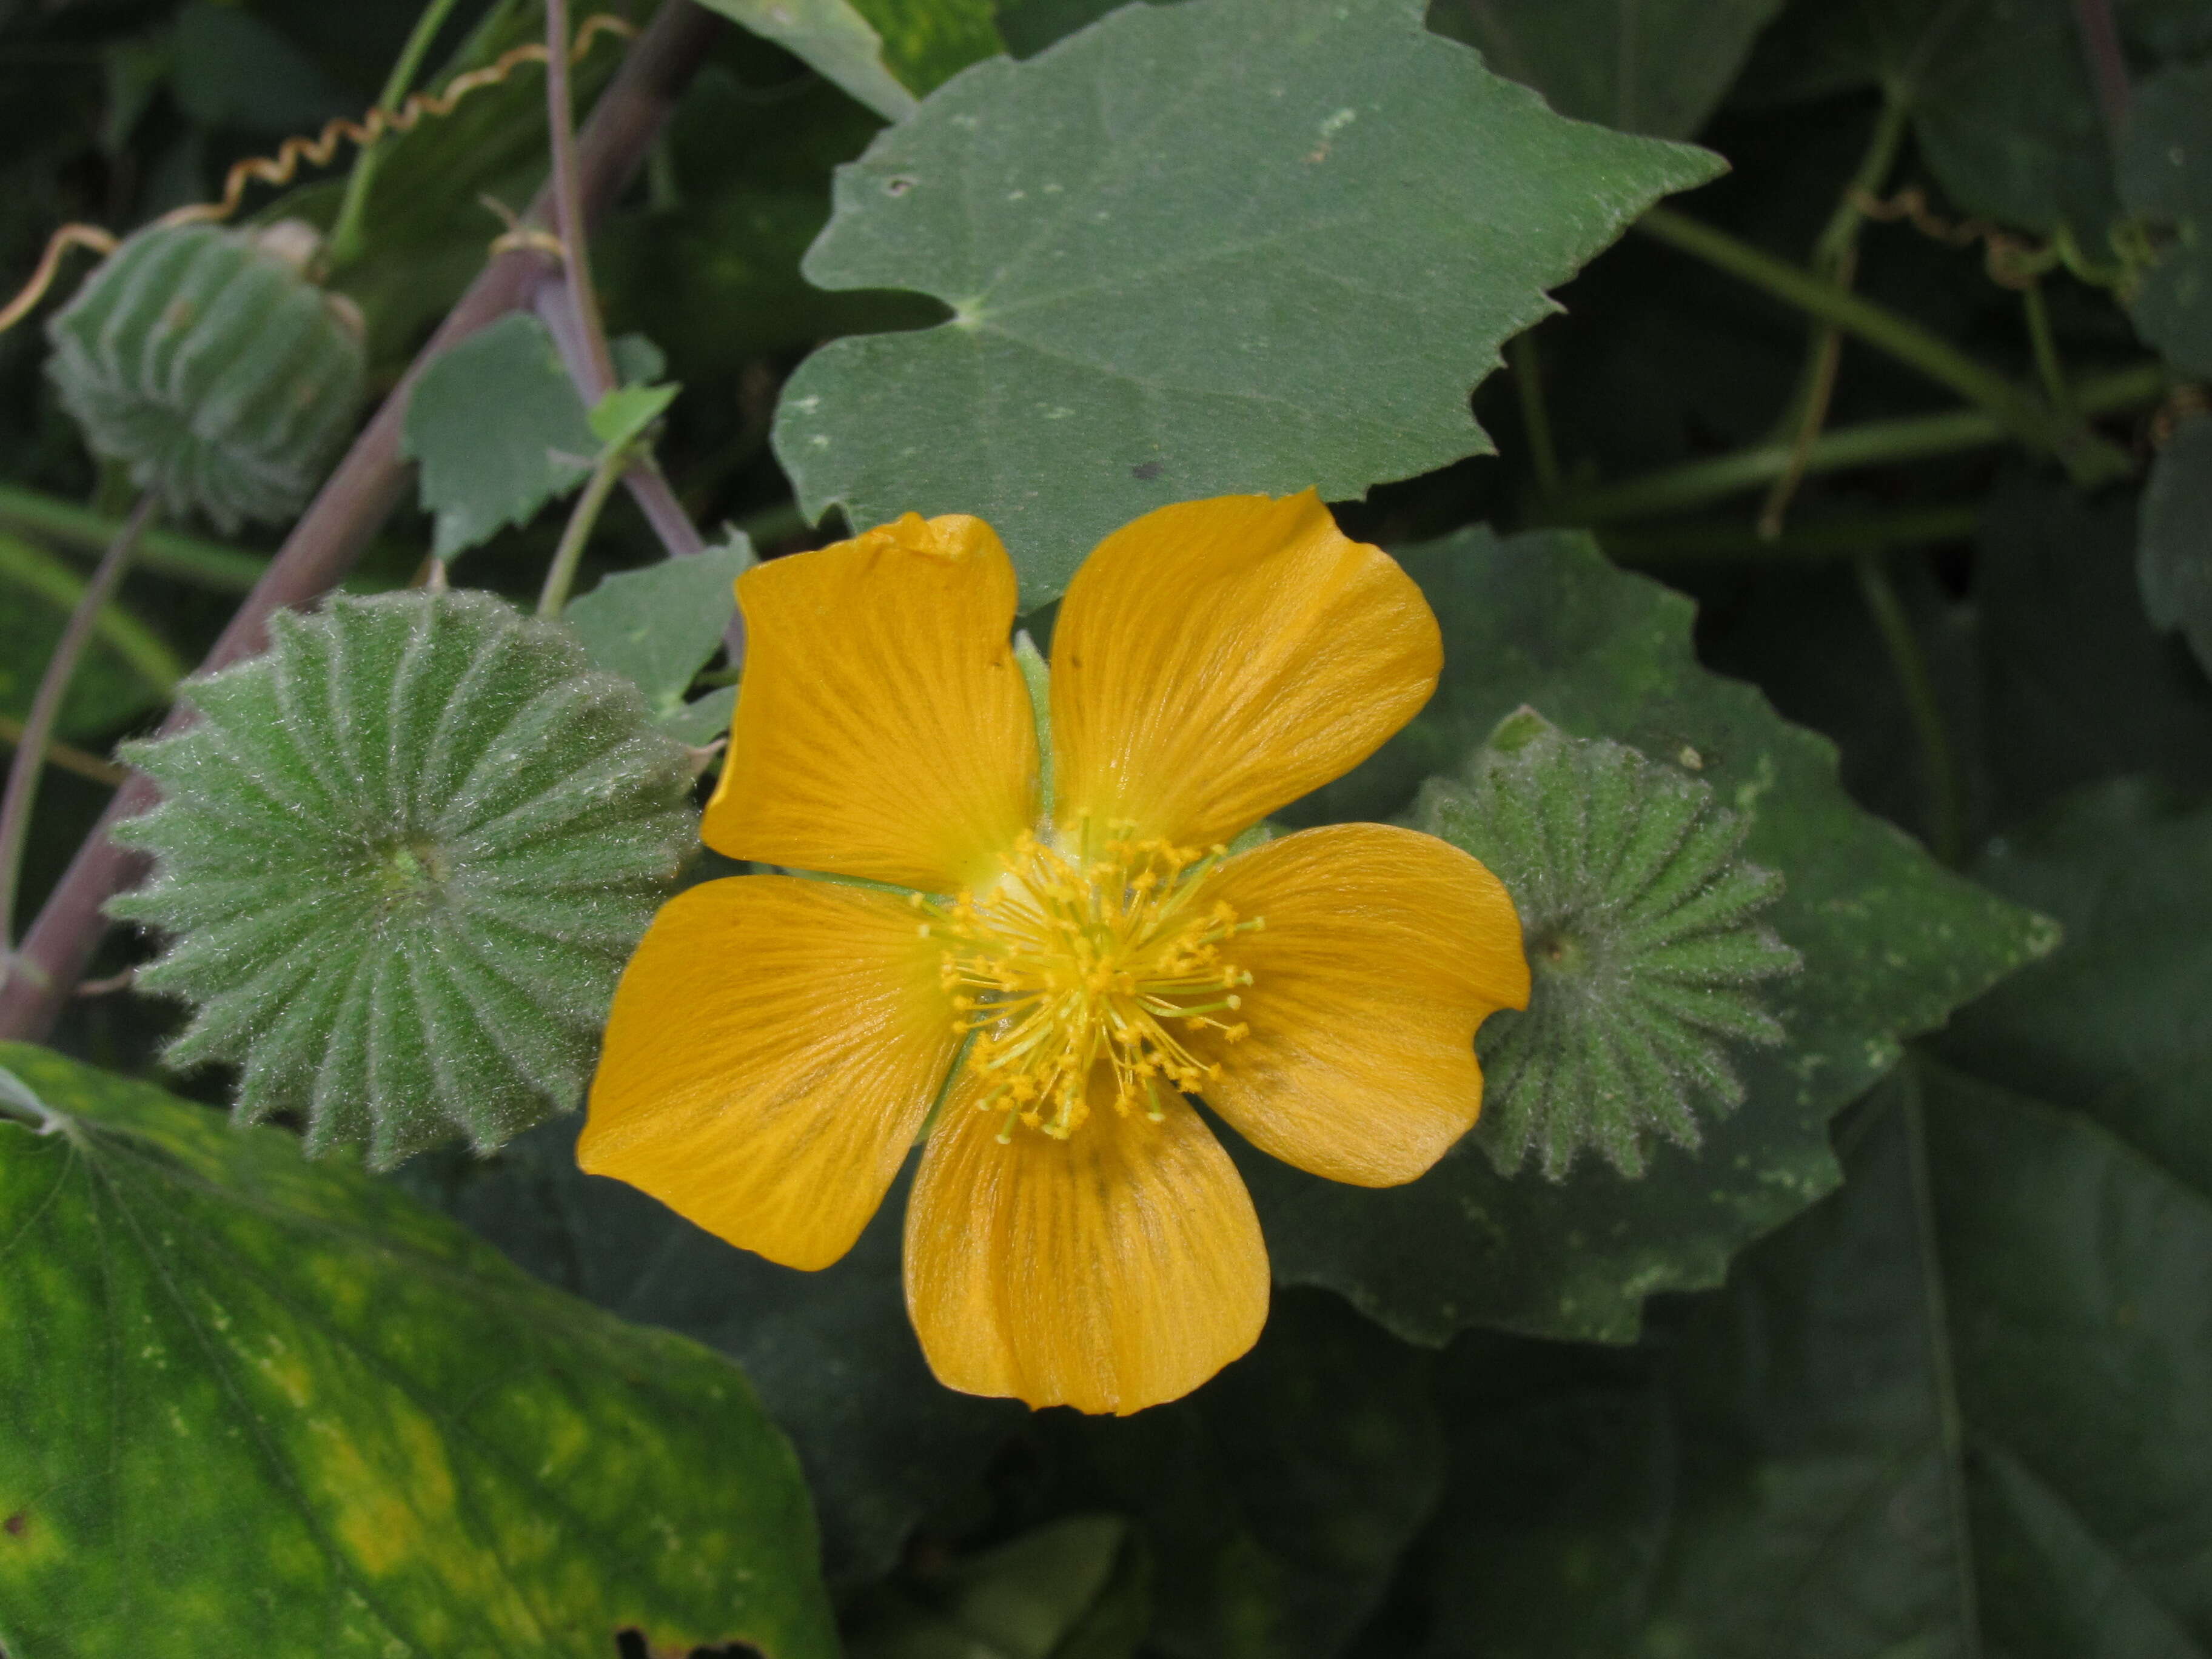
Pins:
x,y
1069,963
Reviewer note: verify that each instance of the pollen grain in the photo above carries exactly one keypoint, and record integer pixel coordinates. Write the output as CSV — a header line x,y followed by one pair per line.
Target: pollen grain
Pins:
x,y
1081,959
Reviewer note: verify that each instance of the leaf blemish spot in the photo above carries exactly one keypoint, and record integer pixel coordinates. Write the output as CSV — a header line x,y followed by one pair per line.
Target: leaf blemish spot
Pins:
x,y
1146,470
898,184
13,1526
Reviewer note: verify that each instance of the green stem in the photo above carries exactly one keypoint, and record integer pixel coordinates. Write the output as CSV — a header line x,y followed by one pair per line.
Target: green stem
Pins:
x,y
1840,235
2048,365
1536,417
34,571
1947,787
1835,256
347,239
561,575
29,763
164,552
1837,538
2089,458
1873,443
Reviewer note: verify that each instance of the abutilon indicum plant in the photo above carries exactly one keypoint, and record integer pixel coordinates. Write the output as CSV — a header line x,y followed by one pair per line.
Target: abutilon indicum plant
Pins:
x,y
1293,829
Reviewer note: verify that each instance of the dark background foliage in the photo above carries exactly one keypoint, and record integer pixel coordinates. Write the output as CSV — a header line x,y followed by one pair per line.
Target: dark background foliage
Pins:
x,y
1959,1405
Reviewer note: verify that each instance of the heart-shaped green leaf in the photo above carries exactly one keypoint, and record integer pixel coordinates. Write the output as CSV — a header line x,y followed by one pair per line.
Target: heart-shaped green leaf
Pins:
x,y
1224,246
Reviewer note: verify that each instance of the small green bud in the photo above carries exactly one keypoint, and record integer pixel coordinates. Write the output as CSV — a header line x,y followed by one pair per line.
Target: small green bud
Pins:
x,y
1638,916
206,362
403,855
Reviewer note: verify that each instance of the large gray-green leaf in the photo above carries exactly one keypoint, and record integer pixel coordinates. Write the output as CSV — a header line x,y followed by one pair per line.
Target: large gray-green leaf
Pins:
x,y
831,1353
2166,178
250,1404
1892,943
2173,550
1228,245
1652,66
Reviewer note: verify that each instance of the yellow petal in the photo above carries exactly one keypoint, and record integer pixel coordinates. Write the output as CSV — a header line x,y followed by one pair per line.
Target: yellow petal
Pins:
x,y
882,728
1111,1271
1382,950
774,1046
1217,660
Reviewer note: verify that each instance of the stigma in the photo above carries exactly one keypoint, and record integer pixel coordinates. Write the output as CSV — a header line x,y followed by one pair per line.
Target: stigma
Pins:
x,y
1097,961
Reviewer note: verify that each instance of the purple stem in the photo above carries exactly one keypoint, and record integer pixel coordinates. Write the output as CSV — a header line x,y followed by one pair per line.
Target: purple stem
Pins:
x,y
356,501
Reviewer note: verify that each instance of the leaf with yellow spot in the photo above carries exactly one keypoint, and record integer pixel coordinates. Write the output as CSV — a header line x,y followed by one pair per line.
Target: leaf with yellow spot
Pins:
x,y
252,1404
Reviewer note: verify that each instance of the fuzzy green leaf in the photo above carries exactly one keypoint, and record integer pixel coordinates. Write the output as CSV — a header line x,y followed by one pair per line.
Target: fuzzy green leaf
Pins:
x,y
251,1405
1891,943
498,431
1658,67
657,625
403,856
2166,178
2173,558
621,418
831,1353
1131,330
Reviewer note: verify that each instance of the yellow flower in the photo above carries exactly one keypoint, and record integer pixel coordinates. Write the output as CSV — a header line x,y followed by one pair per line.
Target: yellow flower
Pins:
x,y
1076,1234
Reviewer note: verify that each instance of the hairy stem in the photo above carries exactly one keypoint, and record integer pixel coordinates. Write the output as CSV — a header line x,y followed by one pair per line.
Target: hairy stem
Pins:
x,y
1947,785
347,239
2089,458
356,501
30,762
561,575
1873,443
